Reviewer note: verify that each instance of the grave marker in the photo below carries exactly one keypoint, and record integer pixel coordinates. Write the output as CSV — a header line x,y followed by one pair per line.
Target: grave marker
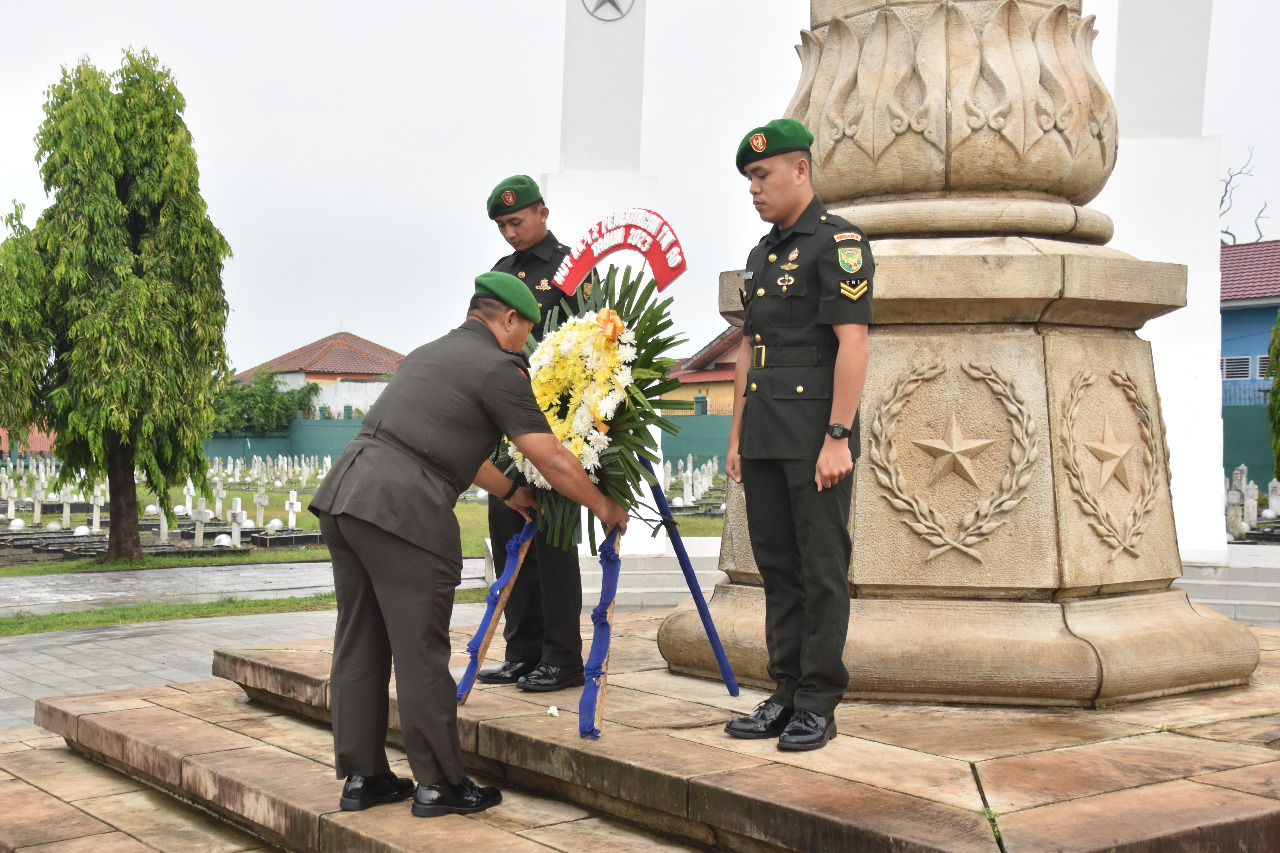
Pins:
x,y
218,494
201,516
261,500
98,501
294,506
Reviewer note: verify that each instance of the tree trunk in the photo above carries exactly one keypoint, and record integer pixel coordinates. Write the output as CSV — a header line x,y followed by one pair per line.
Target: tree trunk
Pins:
x,y
124,541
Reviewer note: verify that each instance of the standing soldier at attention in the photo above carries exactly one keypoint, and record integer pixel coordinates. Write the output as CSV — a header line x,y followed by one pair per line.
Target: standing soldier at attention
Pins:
x,y
544,640
795,431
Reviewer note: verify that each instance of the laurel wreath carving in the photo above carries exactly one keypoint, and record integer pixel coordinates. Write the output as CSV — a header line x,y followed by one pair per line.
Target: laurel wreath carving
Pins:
x,y
989,514
1119,539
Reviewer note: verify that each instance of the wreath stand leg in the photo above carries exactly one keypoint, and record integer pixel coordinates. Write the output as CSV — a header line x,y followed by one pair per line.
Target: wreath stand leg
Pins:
x,y
591,705
499,592
691,578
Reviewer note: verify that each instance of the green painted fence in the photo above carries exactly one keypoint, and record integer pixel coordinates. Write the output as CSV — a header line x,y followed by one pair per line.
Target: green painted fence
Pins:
x,y
304,437
705,436
1246,437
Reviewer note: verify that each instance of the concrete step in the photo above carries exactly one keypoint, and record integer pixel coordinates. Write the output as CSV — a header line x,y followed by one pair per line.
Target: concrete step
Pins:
x,y
1256,612
1254,574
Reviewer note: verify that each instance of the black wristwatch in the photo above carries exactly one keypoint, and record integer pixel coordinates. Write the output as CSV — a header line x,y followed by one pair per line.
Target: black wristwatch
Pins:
x,y
838,431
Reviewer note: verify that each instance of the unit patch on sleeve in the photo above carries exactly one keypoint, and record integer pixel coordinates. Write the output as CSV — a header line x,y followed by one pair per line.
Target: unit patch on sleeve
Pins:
x,y
848,235
853,290
851,259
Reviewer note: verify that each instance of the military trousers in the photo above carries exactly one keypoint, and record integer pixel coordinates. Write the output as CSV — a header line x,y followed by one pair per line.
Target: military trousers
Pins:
x,y
545,607
394,601
800,539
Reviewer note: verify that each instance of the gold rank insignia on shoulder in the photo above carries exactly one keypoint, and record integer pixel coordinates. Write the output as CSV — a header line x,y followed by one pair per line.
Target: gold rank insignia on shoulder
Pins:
x,y
853,290
520,274
848,235
543,285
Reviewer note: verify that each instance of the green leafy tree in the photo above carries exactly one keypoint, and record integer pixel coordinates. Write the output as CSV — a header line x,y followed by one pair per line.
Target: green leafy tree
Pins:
x,y
260,406
111,308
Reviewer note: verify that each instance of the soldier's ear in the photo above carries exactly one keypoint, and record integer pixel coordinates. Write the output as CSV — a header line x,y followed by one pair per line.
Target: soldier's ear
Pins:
x,y
543,213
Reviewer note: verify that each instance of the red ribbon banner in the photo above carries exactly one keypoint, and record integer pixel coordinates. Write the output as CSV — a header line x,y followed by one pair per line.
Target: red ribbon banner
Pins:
x,y
636,229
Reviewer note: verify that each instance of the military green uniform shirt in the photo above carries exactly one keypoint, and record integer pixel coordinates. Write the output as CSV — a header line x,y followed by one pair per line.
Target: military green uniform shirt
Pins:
x,y
799,282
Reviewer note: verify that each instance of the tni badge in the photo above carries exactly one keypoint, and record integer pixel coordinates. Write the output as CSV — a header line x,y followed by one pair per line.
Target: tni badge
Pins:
x,y
851,259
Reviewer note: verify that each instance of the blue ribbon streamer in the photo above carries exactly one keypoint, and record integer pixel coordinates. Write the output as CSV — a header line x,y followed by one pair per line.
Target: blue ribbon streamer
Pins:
x,y
610,566
491,601
726,671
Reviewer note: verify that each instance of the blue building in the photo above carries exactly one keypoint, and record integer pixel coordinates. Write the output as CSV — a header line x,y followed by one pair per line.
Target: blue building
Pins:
x,y
1250,300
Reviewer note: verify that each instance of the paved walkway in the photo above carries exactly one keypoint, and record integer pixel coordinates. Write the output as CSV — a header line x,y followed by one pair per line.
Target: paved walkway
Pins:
x,y
89,590
81,661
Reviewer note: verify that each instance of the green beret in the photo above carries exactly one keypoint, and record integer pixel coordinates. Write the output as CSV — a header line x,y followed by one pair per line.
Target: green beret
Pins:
x,y
507,288
515,193
777,137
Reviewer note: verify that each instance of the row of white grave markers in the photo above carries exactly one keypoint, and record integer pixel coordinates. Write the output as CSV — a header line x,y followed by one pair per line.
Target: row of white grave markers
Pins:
x,y
1241,502
278,469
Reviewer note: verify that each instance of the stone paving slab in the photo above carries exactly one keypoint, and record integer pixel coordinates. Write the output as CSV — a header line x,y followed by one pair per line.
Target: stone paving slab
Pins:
x,y
274,777
929,776
58,801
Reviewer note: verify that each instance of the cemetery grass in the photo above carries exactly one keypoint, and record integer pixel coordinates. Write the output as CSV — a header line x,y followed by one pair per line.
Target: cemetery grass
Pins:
x,y
305,554
29,623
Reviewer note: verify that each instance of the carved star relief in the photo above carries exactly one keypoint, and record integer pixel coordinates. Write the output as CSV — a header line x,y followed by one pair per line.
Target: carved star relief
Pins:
x,y
600,4
1111,452
953,453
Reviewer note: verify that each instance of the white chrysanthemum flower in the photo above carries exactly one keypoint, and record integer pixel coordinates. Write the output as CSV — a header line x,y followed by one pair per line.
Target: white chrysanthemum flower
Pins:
x,y
590,458
626,353
609,405
553,711
627,337
598,440
623,376
582,420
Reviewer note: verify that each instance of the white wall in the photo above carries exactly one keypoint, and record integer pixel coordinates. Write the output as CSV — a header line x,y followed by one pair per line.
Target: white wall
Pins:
x,y
359,395
1164,200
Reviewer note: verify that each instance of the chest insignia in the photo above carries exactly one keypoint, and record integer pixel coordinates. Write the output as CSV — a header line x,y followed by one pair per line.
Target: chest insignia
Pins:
x,y
543,285
848,235
520,274
791,264
850,259
785,282
795,253
853,291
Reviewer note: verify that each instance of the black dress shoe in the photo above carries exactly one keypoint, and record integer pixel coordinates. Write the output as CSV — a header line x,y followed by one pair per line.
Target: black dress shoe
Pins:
x,y
362,792
508,673
767,720
807,730
466,797
546,678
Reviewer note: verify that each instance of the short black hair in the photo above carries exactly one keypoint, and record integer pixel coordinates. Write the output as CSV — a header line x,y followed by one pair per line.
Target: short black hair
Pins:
x,y
486,306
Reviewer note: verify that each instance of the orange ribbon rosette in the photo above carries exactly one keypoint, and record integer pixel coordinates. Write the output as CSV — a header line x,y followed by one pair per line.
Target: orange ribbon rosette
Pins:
x,y
611,327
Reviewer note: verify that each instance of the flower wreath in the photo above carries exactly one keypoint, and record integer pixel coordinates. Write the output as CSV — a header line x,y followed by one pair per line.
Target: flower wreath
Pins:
x,y
580,375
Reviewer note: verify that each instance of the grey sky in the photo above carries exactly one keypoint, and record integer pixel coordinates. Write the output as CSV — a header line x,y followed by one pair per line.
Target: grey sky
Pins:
x,y
346,150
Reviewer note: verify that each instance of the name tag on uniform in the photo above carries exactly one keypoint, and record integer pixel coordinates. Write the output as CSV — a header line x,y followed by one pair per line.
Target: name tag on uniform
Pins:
x,y
746,276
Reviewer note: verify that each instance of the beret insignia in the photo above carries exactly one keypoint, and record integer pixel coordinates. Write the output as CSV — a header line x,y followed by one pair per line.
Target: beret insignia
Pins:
x,y
508,198
758,142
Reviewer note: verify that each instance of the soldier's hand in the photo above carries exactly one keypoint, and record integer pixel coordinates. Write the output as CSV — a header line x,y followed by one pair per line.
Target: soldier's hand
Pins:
x,y
733,465
522,502
612,515
834,463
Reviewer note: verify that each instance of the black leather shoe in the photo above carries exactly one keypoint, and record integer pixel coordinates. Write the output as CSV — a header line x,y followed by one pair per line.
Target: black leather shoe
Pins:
x,y
466,797
362,792
508,673
767,720
807,730
546,678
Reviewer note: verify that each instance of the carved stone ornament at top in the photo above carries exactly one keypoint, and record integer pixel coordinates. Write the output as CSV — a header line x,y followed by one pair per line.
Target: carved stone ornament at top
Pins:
x,y
1111,453
962,98
990,513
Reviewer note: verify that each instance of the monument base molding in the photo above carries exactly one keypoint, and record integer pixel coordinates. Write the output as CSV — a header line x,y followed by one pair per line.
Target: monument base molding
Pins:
x,y
1085,653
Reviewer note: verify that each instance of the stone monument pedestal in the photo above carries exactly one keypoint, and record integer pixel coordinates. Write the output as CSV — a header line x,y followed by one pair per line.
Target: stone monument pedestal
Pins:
x,y
1013,536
